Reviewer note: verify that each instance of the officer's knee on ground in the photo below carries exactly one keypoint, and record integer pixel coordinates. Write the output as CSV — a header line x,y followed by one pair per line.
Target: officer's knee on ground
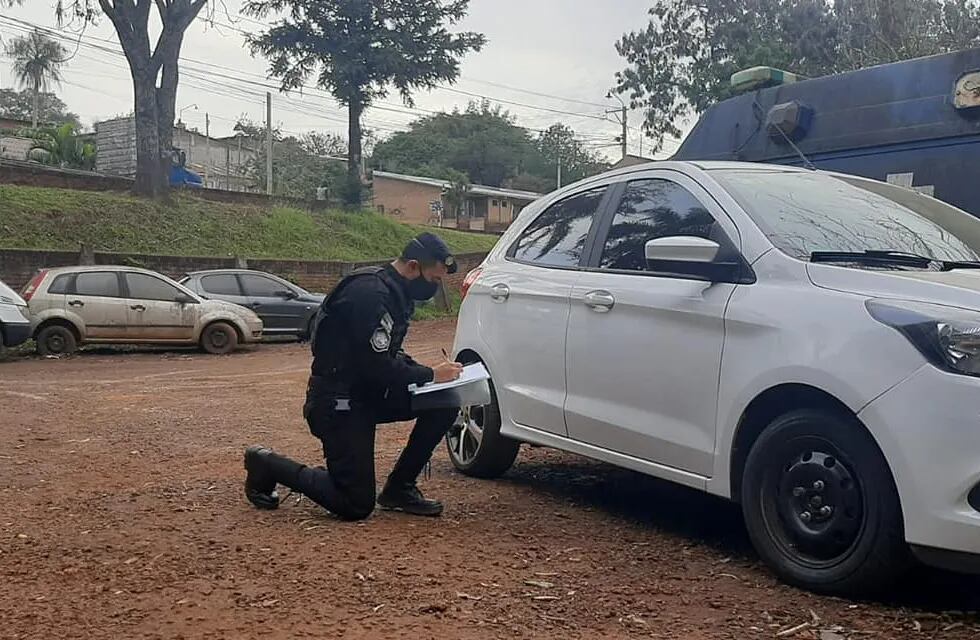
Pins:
x,y
359,506
439,419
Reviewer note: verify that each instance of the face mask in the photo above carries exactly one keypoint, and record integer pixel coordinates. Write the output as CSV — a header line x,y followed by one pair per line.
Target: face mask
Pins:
x,y
421,289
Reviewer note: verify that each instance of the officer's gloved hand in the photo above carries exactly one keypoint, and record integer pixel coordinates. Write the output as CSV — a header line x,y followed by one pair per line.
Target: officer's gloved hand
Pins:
x,y
446,371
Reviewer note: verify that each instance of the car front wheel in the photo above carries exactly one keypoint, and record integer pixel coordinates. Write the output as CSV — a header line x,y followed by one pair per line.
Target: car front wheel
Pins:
x,y
821,507
219,338
475,445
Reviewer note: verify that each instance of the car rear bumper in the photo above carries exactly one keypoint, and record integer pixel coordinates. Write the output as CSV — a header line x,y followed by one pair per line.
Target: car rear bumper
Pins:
x,y
15,333
928,427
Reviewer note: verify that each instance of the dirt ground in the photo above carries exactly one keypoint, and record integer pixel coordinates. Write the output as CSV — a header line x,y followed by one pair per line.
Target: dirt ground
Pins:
x,y
123,517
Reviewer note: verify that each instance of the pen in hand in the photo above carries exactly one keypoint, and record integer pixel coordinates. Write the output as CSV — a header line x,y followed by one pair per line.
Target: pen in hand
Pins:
x,y
448,371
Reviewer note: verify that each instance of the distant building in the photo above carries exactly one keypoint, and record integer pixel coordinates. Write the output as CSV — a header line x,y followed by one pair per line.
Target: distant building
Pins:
x,y
13,124
419,200
222,163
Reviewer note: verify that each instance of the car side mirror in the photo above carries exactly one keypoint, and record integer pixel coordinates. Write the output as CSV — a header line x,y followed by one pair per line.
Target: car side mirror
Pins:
x,y
682,249
183,298
691,257
287,294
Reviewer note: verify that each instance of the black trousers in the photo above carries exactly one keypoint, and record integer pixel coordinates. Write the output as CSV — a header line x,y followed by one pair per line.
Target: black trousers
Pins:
x,y
347,486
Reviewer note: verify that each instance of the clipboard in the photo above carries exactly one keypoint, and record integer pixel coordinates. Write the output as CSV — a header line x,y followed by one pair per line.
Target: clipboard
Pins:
x,y
471,389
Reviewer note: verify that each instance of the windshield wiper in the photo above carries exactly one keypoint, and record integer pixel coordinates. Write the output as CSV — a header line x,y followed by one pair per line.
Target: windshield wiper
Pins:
x,y
892,258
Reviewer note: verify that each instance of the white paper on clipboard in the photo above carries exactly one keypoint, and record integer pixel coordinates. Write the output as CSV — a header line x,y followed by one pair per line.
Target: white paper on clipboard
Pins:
x,y
471,373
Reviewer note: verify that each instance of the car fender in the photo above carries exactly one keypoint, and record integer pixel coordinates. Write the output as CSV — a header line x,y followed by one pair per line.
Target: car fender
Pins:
x,y
41,317
211,315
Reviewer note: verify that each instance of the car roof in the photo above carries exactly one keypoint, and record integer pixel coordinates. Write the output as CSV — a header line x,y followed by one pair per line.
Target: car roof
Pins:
x,y
210,272
101,267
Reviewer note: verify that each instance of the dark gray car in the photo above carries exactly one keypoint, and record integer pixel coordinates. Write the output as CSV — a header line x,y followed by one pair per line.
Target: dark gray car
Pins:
x,y
285,309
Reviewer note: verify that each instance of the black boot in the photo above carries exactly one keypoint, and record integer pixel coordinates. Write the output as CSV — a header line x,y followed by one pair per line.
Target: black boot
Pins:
x,y
408,498
260,483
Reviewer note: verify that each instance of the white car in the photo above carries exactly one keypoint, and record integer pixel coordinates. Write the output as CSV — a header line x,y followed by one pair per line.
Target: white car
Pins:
x,y
72,306
804,343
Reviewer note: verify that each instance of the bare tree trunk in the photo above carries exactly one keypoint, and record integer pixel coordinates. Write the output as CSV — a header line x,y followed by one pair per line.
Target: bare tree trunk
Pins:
x,y
166,99
352,197
36,107
147,138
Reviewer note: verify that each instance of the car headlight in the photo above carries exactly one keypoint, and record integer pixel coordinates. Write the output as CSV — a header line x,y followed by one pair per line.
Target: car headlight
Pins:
x,y
948,337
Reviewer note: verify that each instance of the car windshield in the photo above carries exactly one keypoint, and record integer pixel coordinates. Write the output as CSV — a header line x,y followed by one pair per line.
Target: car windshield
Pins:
x,y
807,213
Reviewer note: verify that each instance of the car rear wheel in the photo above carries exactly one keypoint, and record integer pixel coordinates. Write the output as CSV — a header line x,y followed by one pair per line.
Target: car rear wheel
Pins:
x,y
475,445
219,338
56,340
821,506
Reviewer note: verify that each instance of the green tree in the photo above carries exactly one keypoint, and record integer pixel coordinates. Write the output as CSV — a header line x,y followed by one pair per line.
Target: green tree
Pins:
x,y
18,105
559,144
455,195
154,69
681,63
62,147
483,142
301,165
359,49
37,62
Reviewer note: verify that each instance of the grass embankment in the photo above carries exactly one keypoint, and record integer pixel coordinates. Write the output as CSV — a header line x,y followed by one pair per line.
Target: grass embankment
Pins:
x,y
62,219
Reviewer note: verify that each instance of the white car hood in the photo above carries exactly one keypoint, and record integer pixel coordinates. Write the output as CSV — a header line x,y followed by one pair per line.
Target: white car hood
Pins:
x,y
960,288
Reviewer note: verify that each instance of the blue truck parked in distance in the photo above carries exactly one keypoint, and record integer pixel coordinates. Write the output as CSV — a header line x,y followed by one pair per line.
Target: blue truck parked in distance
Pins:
x,y
914,123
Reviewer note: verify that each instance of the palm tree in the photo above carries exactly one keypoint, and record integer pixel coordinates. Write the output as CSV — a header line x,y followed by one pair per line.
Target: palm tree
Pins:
x,y
37,63
62,147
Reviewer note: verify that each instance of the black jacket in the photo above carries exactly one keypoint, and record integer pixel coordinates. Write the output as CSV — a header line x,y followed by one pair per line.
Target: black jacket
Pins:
x,y
357,340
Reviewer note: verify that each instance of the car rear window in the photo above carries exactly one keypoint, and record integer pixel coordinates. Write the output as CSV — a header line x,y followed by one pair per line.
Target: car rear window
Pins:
x,y
221,284
97,283
557,237
60,284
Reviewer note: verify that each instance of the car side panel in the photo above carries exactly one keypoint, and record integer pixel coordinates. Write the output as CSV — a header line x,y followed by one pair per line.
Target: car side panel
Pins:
x,y
781,330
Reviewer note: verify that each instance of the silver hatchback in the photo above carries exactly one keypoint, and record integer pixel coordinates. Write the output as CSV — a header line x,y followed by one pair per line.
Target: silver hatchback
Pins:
x,y
72,306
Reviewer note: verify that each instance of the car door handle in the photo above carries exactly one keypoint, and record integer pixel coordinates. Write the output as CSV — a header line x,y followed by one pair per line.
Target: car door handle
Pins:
x,y
600,301
76,303
137,307
499,292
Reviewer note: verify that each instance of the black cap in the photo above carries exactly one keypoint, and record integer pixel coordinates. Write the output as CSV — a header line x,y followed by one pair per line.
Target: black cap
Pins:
x,y
429,246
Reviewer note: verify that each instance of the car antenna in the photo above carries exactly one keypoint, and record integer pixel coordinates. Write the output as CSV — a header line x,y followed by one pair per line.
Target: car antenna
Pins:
x,y
806,161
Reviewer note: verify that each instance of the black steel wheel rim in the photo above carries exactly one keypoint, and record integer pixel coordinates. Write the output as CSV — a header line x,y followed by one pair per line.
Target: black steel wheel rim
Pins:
x,y
219,338
56,343
813,502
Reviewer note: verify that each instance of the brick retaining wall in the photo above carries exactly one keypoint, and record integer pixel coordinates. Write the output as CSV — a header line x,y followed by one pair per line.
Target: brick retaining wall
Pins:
x,y
17,266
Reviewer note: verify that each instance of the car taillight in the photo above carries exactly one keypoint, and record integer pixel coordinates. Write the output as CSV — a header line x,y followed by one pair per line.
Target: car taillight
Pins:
x,y
470,278
32,286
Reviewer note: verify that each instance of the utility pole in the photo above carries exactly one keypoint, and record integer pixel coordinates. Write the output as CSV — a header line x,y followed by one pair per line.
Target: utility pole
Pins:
x,y
207,145
559,169
624,131
268,142
623,113
227,167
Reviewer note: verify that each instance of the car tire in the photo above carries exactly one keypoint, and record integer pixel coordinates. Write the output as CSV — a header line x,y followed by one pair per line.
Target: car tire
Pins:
x,y
219,338
821,506
56,340
475,445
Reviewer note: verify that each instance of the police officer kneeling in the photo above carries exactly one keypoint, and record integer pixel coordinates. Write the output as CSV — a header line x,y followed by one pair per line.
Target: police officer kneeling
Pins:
x,y
360,379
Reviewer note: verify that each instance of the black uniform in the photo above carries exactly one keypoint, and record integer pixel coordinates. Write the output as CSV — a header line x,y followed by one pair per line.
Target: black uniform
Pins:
x,y
360,378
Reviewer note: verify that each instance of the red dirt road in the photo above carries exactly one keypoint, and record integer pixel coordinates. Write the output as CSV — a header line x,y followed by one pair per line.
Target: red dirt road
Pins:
x,y
123,517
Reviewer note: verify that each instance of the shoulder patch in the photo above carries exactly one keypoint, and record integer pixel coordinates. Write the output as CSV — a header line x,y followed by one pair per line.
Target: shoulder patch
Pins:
x,y
381,339
387,323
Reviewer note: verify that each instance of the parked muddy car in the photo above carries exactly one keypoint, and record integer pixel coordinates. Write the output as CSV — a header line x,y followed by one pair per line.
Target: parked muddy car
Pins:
x,y
73,306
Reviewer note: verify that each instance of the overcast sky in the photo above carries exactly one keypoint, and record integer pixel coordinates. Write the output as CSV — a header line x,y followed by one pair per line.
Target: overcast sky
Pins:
x,y
562,48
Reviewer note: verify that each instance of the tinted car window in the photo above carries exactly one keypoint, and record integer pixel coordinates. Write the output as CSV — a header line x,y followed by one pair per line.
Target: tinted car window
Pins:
x,y
60,284
652,209
144,287
221,284
260,286
557,237
97,283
